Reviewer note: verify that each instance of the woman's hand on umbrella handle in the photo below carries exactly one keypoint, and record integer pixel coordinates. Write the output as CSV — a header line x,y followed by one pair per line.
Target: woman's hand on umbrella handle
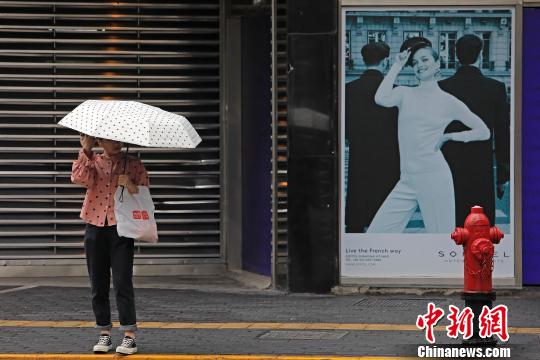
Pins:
x,y
123,180
87,142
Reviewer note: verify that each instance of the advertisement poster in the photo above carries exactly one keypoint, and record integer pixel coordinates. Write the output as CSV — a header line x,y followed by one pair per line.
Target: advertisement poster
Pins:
x,y
427,123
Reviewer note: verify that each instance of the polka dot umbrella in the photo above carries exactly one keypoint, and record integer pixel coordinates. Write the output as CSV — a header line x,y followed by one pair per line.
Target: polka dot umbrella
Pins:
x,y
132,122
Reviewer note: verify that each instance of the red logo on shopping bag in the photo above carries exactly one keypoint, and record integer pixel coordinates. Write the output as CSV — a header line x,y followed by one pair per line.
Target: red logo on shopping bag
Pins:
x,y
141,215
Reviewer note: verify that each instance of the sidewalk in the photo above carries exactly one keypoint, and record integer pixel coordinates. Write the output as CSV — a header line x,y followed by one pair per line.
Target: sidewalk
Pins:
x,y
221,316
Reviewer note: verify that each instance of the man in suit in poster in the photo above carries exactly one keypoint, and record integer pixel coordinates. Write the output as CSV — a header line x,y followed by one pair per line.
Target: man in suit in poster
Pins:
x,y
472,163
371,131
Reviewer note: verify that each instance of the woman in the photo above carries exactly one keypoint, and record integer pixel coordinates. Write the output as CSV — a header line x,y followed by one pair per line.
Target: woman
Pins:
x,y
100,174
424,113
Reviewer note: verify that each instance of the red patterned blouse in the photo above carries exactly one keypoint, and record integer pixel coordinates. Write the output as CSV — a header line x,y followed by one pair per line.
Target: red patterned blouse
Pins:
x,y
99,175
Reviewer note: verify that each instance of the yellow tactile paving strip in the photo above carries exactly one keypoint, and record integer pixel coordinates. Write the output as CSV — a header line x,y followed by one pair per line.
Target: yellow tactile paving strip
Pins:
x,y
247,326
192,357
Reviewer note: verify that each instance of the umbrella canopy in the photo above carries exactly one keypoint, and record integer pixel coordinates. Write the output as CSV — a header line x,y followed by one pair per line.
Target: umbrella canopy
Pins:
x,y
132,122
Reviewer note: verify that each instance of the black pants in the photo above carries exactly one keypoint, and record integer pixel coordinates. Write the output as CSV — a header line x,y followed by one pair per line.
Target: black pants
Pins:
x,y
105,250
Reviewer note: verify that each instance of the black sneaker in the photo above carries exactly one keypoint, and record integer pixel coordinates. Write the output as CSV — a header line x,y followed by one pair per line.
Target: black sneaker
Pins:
x,y
104,344
127,347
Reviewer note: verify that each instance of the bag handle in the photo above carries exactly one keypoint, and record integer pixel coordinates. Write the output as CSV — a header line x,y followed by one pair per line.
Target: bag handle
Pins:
x,y
121,198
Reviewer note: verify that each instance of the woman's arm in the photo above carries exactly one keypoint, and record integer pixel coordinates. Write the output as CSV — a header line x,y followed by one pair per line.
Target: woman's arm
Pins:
x,y
479,131
83,170
139,175
386,94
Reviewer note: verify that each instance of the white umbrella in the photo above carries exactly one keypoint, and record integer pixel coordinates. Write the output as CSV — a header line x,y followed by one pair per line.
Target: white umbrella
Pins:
x,y
132,122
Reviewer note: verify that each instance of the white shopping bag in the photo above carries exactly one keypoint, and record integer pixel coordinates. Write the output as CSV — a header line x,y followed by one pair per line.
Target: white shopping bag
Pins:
x,y
135,215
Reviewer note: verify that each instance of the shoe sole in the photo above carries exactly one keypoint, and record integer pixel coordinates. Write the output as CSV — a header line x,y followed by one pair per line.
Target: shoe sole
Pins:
x,y
126,351
102,349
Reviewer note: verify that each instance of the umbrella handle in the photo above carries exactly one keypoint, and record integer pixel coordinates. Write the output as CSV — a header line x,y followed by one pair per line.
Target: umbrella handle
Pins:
x,y
125,164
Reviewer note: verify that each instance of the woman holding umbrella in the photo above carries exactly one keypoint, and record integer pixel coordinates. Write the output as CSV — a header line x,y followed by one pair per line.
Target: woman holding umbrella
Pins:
x,y
114,122
105,249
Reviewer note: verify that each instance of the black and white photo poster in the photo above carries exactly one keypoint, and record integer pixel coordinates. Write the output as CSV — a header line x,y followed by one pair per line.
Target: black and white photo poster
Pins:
x,y
426,133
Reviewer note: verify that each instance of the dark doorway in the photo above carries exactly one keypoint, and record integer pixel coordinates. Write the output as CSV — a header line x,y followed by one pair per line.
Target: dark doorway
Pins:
x,y
256,143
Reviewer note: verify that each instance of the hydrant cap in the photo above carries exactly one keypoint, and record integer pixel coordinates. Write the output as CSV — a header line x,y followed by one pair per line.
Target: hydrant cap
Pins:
x,y
477,210
476,218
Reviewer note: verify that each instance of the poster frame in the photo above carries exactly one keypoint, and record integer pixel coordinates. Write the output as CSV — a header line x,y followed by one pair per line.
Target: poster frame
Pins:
x,y
444,282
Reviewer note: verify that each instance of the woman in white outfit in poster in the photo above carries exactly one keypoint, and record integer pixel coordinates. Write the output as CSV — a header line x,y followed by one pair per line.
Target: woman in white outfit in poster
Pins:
x,y
424,113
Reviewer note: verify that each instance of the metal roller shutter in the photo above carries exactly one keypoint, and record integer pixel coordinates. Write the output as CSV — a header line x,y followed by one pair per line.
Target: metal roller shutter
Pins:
x,y
56,54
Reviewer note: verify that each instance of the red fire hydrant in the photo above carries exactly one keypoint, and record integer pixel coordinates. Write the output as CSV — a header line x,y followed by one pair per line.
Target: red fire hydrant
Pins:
x,y
477,238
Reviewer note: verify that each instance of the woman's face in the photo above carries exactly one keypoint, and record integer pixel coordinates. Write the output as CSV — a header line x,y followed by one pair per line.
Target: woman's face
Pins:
x,y
424,65
110,147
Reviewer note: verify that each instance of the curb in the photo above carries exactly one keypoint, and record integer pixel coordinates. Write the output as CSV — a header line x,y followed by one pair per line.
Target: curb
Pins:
x,y
343,290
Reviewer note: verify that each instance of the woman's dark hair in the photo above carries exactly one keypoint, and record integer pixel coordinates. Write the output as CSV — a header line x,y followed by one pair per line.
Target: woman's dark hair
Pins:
x,y
433,53
416,43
